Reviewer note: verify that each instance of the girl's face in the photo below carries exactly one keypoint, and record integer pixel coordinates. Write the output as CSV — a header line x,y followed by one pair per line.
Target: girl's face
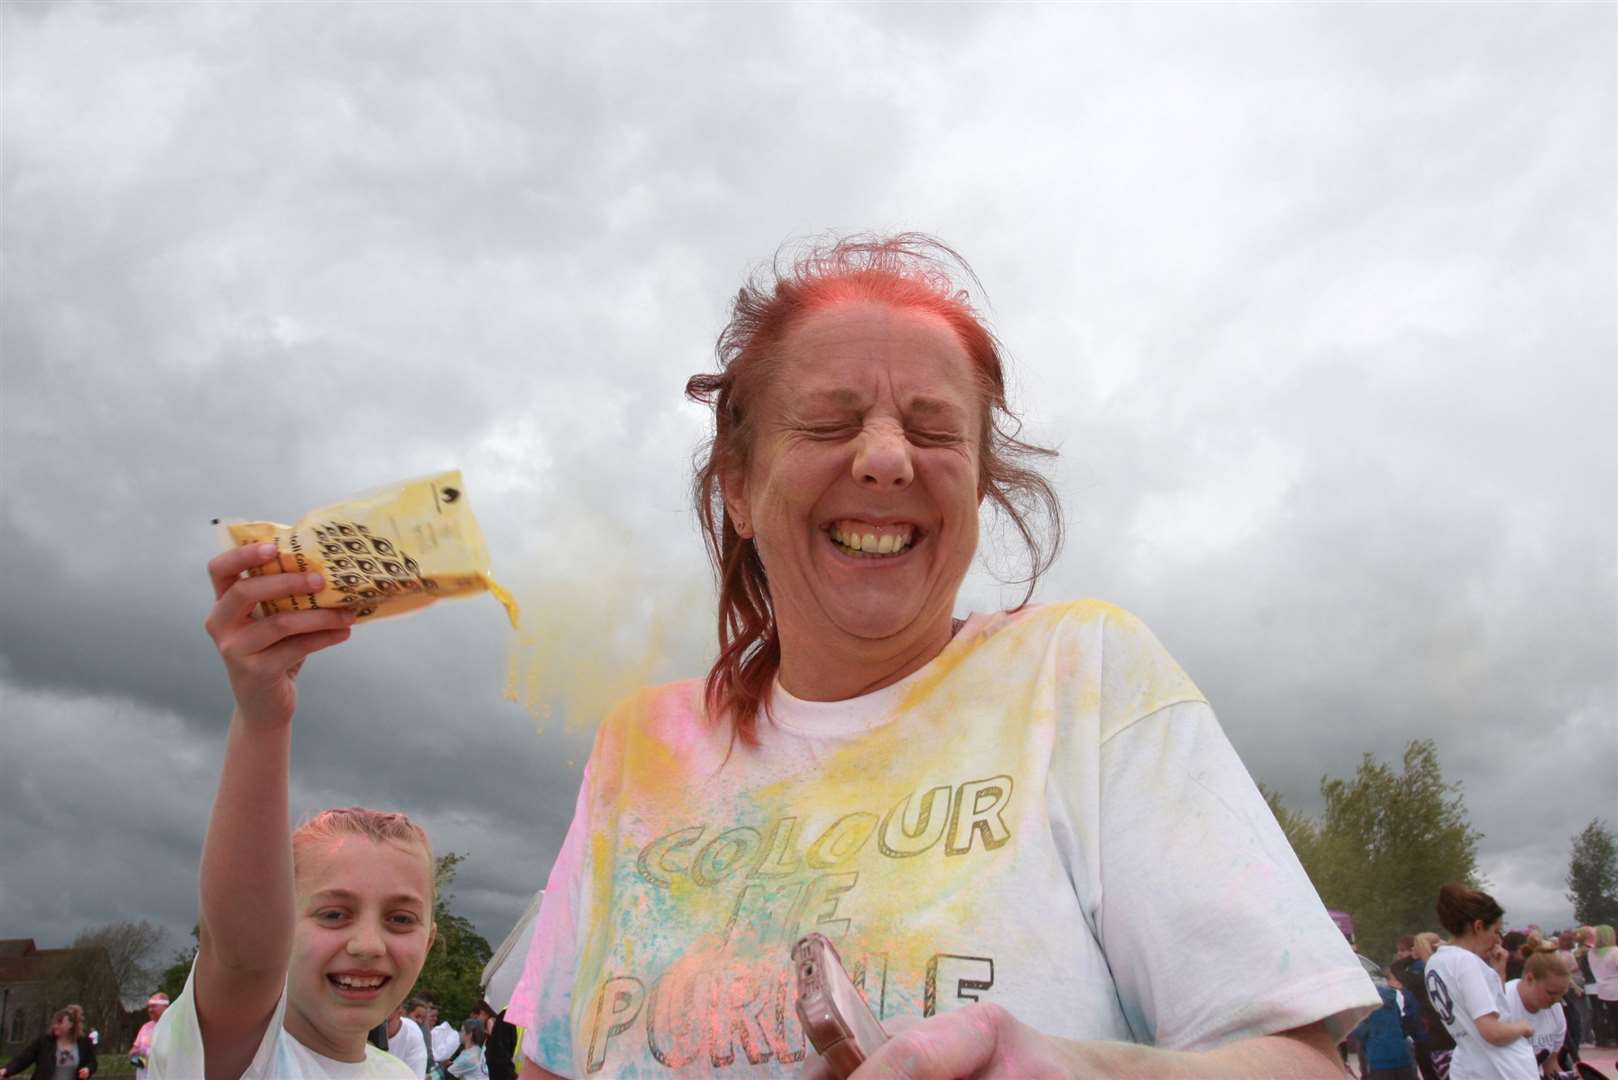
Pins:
x,y
61,1027
1486,937
363,925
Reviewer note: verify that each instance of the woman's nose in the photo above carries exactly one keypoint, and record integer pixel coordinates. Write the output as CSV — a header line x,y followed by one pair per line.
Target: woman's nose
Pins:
x,y
366,940
882,458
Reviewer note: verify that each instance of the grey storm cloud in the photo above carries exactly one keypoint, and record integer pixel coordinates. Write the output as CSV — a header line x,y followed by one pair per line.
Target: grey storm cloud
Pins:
x,y
1317,302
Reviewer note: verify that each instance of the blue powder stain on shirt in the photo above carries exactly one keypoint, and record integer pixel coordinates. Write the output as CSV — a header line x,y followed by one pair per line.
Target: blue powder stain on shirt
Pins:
x,y
1140,1029
1286,960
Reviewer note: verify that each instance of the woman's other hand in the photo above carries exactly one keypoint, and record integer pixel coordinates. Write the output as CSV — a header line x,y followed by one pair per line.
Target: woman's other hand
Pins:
x,y
980,1040
262,656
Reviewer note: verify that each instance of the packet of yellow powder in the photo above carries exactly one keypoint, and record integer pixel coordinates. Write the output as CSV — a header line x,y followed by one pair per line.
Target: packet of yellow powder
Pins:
x,y
383,553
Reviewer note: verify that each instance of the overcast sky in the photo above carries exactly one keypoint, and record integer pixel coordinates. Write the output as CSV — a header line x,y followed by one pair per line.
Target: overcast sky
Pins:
x,y
1317,300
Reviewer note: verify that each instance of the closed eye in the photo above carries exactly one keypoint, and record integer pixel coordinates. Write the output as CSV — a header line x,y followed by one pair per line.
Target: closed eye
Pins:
x,y
935,438
829,431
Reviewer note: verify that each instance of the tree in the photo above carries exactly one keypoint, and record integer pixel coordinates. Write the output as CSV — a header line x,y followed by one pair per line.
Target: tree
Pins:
x,y
1592,875
130,948
1386,844
453,974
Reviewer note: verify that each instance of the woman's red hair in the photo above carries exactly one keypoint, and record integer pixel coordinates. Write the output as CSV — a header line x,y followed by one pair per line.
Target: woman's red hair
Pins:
x,y
909,271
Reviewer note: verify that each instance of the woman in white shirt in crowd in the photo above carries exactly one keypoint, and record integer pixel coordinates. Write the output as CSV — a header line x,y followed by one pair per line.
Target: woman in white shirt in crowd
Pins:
x,y
469,1061
1536,999
1604,966
1466,985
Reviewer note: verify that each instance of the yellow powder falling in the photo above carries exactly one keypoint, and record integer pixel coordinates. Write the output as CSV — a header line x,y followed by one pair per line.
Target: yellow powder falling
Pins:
x,y
603,615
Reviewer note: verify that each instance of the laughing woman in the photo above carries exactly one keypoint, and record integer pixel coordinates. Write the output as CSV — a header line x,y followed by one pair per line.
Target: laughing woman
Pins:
x,y
1024,829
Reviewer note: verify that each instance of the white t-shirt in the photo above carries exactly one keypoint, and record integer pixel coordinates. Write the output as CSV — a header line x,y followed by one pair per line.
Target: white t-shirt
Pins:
x,y
446,1040
410,1046
1046,816
1604,966
177,1050
1463,987
1550,1025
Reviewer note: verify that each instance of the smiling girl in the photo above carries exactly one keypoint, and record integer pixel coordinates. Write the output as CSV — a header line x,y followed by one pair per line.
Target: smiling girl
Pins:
x,y
307,939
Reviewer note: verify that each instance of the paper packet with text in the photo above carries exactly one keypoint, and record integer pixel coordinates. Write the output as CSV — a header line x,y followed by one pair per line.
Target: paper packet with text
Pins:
x,y
387,552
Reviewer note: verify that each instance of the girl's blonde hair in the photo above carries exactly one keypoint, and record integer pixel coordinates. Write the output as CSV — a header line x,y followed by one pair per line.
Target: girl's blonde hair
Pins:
x,y
75,1015
1428,941
1544,964
378,826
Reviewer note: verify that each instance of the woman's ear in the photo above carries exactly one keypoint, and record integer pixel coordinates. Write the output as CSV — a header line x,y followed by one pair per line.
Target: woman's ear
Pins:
x,y
734,489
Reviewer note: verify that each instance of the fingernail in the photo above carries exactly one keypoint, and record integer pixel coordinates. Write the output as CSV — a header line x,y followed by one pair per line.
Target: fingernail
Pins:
x,y
313,580
266,550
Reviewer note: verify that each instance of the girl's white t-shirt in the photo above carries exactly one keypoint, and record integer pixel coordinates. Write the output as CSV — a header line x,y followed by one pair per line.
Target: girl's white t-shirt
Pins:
x,y
1462,987
1550,1026
177,1052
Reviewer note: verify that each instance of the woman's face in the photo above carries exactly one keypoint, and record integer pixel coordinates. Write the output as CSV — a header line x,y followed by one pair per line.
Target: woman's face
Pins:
x,y
863,490
61,1027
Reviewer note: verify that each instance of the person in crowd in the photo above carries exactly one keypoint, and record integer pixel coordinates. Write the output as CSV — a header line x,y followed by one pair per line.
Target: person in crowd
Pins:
x,y
424,1011
1030,819
442,1039
1466,984
65,1052
139,1050
500,1046
1603,957
467,1060
1382,1035
1430,1042
1404,951
1513,944
1537,999
1574,1005
307,939
406,1041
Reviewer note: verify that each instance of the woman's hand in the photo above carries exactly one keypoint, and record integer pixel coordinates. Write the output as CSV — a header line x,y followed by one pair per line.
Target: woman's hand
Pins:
x,y
985,1042
84,1074
262,656
981,1040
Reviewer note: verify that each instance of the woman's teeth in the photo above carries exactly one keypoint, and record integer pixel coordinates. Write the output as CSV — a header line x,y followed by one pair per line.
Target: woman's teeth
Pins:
x,y
870,542
347,982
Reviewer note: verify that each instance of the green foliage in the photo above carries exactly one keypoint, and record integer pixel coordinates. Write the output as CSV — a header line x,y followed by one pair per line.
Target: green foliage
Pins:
x,y
453,974
1387,842
1592,875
